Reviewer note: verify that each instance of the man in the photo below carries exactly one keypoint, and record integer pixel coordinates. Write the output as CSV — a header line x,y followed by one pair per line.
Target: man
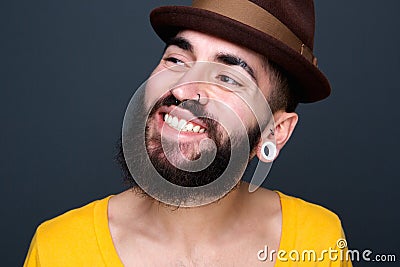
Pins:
x,y
188,135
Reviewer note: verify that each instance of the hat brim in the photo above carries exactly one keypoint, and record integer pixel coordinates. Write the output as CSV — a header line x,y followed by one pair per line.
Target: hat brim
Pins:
x,y
311,83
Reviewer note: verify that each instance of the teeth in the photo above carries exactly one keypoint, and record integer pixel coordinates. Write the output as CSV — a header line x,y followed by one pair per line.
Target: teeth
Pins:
x,y
189,127
182,125
174,122
169,120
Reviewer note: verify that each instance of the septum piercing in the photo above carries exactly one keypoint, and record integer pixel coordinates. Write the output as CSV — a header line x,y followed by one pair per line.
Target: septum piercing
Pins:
x,y
198,100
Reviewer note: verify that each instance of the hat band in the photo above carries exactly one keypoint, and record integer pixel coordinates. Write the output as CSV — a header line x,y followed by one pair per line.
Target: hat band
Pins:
x,y
258,18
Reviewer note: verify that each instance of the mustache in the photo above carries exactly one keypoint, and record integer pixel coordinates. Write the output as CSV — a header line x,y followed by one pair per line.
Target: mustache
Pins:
x,y
198,110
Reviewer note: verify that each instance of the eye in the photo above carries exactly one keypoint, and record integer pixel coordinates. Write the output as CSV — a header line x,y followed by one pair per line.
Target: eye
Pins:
x,y
175,61
228,80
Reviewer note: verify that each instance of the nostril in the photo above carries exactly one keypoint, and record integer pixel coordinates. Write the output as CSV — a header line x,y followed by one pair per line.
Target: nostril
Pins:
x,y
171,100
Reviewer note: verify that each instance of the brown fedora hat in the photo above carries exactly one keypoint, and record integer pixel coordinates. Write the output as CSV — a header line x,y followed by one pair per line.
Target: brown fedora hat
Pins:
x,y
282,30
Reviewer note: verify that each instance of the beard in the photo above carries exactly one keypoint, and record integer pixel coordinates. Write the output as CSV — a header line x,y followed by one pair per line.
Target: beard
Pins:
x,y
156,149
180,167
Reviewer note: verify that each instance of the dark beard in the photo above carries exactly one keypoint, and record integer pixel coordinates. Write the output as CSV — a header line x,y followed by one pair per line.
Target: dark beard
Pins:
x,y
175,175
181,177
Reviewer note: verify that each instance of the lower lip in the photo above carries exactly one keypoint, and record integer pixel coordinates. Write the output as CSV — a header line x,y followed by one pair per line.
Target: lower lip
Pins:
x,y
168,131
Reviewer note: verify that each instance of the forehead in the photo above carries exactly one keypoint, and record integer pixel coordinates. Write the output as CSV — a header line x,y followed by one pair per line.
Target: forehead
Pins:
x,y
203,43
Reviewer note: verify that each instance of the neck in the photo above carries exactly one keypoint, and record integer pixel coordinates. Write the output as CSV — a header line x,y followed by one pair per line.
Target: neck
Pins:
x,y
200,223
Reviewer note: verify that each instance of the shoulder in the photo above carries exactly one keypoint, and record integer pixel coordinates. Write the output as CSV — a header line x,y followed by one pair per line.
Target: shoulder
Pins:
x,y
310,223
307,212
76,224
71,220
71,239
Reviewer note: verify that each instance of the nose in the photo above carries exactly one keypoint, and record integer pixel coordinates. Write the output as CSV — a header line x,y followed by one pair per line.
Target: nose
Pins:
x,y
192,86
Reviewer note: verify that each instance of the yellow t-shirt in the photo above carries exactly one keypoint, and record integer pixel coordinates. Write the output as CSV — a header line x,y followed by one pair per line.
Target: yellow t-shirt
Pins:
x,y
81,237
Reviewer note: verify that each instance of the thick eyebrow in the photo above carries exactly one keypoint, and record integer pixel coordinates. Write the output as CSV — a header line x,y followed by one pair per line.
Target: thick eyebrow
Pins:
x,y
180,42
233,60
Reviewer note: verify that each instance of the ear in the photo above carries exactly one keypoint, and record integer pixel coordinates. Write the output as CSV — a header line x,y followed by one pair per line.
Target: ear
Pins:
x,y
284,127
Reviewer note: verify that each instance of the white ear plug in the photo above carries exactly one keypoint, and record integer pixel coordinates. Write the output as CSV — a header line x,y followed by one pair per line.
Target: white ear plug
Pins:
x,y
271,151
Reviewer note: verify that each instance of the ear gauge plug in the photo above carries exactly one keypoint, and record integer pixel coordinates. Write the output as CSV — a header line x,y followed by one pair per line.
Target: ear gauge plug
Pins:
x,y
268,151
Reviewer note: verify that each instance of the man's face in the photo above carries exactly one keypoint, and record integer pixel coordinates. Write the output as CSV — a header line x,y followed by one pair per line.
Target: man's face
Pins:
x,y
191,129
203,88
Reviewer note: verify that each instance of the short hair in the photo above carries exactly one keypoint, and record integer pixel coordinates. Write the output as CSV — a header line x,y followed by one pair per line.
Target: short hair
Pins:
x,y
282,96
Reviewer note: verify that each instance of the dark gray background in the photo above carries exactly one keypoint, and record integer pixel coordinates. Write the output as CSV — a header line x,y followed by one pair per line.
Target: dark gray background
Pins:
x,y
69,68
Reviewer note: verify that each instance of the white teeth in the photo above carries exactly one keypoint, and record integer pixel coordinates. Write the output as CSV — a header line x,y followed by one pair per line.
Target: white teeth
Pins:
x,y
182,125
189,127
174,122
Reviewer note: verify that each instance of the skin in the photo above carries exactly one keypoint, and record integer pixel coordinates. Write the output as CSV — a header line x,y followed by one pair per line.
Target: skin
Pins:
x,y
229,232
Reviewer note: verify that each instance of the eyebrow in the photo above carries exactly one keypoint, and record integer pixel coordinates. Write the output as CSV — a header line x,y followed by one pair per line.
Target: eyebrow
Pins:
x,y
225,58
180,42
233,60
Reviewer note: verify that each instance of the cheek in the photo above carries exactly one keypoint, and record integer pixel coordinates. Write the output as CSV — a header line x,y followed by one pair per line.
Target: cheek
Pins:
x,y
160,82
233,114
154,87
254,109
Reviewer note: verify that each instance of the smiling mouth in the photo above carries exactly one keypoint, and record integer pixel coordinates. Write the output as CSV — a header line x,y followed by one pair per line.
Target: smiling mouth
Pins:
x,y
182,124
